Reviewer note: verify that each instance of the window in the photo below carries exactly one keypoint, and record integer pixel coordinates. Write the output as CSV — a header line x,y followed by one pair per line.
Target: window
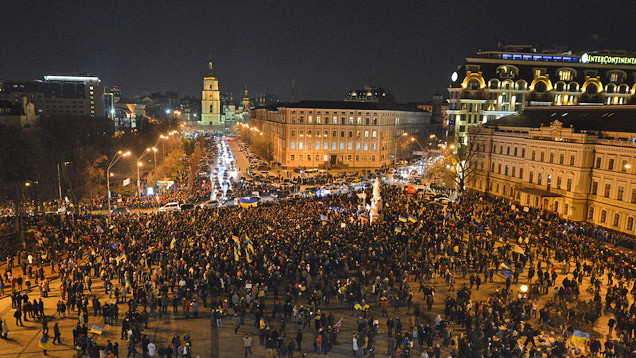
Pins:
x,y
569,184
590,214
515,151
357,134
309,133
603,216
334,145
621,192
366,134
633,196
326,145
520,173
494,148
594,188
349,156
624,166
501,150
558,184
374,146
293,145
539,178
531,177
608,188
542,156
617,217
350,134
630,224
556,206
342,146
293,133
301,133
335,120
561,158
325,157
551,157
506,171
375,134
310,121
342,134
308,156
598,162
508,151
300,145
499,169
567,208
350,146
610,165
523,152
533,155
492,167
358,146
513,172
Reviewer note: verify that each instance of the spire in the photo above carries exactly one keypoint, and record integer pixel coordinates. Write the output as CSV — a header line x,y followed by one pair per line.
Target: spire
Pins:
x,y
246,98
210,66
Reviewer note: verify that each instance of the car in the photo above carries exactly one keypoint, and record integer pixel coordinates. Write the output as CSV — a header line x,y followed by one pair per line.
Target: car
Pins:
x,y
187,206
120,210
172,206
210,204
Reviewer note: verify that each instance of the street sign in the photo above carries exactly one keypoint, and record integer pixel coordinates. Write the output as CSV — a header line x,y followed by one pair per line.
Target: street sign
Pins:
x,y
126,181
419,153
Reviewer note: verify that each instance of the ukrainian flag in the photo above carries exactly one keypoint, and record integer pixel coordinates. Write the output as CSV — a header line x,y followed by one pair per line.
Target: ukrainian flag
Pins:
x,y
248,245
237,253
173,243
248,255
249,202
121,257
96,330
398,229
580,338
401,218
412,219
45,256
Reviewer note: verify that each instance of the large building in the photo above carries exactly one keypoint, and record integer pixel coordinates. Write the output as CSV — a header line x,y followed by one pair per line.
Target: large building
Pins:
x,y
68,95
210,100
577,161
498,83
20,115
329,134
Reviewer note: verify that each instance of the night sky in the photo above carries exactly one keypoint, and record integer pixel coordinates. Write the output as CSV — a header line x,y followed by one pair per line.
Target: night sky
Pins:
x,y
329,46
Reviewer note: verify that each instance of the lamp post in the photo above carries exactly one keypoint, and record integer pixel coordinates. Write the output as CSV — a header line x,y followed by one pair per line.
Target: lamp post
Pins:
x,y
115,159
139,164
154,152
397,143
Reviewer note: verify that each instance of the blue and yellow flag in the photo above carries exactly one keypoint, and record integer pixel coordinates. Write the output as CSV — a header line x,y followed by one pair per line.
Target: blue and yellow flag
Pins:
x,y
173,243
401,218
45,256
121,257
398,229
237,253
97,330
248,245
412,219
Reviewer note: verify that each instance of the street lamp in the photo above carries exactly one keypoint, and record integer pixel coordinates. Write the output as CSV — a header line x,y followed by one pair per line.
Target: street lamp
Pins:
x,y
115,159
397,142
139,164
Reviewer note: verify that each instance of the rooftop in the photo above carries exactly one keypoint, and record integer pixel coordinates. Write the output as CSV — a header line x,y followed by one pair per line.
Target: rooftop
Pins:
x,y
368,106
589,118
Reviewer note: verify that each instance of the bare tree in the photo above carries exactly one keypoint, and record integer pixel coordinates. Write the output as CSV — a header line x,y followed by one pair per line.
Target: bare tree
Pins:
x,y
455,166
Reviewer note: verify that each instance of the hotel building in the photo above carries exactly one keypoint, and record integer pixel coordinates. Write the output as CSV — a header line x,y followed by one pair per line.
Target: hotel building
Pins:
x,y
493,84
329,134
577,161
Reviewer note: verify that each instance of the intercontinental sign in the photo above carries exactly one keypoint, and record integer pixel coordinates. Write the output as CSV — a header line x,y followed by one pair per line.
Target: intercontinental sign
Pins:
x,y
615,60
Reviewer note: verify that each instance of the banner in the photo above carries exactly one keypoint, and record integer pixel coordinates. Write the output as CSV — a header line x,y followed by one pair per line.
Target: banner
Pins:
x,y
126,181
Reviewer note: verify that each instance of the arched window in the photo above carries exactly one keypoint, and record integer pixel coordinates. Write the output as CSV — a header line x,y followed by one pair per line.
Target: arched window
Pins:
x,y
211,108
493,84
591,88
473,85
540,87
623,88
560,86
611,88
521,85
507,84
573,87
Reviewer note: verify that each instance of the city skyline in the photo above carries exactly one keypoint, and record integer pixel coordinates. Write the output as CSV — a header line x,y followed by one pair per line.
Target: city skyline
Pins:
x,y
328,48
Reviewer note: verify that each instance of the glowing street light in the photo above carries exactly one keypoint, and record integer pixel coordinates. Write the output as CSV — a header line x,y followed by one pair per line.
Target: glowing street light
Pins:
x,y
120,154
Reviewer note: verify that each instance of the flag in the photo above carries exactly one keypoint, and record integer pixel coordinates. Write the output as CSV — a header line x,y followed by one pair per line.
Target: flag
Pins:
x,y
100,230
249,202
323,217
336,327
237,248
45,256
580,338
398,229
506,270
96,330
248,245
401,218
519,250
237,254
121,257
412,218
270,228
361,306
173,243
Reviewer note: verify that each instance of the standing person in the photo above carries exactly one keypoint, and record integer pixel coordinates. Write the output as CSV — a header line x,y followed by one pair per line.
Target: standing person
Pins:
x,y
237,323
151,350
18,317
44,343
247,343
56,334
4,329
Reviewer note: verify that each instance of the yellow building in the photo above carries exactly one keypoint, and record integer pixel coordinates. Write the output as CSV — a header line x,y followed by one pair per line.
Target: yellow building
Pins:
x,y
577,161
331,134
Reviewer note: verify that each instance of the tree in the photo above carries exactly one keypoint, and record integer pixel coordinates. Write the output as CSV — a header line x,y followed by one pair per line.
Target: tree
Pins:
x,y
83,175
453,168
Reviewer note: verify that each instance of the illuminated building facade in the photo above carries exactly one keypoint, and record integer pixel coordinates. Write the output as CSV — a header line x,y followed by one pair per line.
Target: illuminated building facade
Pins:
x,y
331,134
577,161
494,84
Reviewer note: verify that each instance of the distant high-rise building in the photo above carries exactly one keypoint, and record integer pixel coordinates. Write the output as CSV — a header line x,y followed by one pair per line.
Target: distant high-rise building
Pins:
x,y
498,83
210,100
69,95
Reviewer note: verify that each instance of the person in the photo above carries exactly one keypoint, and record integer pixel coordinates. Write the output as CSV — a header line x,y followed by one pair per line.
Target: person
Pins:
x,y
4,329
237,323
151,350
247,343
56,334
18,317
44,343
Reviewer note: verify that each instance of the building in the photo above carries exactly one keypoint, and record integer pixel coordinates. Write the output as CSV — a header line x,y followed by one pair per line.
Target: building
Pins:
x,y
329,134
210,100
577,161
232,111
68,95
20,115
493,84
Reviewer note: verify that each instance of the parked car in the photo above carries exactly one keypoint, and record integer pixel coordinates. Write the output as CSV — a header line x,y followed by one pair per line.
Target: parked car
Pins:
x,y
172,206
187,206
210,204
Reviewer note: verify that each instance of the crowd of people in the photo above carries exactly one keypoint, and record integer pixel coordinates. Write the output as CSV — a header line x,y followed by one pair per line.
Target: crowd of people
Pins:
x,y
293,269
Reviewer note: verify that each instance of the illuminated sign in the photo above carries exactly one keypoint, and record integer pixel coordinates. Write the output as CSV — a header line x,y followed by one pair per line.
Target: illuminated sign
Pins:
x,y
615,60
71,78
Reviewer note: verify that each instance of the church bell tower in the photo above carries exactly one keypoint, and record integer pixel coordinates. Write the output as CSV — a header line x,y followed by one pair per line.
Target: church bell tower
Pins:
x,y
210,100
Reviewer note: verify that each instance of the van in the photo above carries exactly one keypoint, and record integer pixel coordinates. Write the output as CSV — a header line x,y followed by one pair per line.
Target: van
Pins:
x,y
172,206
